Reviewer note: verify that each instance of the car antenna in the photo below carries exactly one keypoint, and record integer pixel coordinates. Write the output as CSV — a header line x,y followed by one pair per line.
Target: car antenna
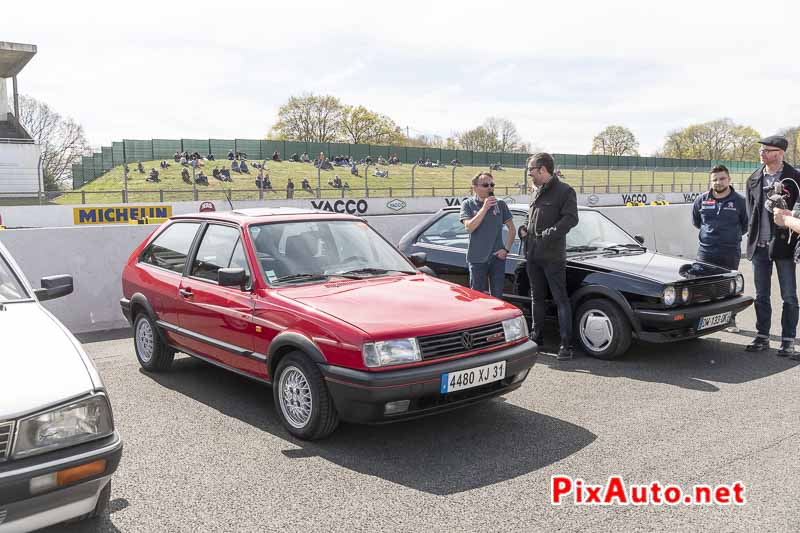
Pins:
x,y
228,197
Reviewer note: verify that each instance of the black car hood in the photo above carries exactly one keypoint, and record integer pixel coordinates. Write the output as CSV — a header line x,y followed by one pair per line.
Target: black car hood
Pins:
x,y
654,266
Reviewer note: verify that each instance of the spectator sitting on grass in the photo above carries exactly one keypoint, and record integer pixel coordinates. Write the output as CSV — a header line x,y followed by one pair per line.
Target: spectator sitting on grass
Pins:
x,y
140,168
185,175
210,157
394,160
354,170
306,185
382,161
235,165
164,165
304,158
295,158
381,173
276,156
243,167
346,186
177,156
184,161
216,173
455,163
201,179
225,174
231,155
153,177
290,189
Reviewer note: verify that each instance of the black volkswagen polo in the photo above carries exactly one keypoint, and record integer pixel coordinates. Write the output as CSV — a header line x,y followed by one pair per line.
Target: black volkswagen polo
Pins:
x,y
619,289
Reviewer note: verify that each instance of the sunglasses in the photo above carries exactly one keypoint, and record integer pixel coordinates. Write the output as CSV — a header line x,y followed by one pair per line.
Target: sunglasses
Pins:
x,y
486,185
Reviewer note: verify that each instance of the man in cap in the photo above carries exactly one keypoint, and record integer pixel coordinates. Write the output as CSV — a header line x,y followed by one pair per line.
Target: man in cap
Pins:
x,y
770,245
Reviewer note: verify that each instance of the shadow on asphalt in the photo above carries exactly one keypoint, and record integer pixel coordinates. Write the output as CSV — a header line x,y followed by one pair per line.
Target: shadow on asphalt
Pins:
x,y
695,364
483,444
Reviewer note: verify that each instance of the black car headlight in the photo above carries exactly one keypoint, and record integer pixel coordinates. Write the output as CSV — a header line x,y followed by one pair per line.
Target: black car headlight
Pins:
x,y
67,425
669,295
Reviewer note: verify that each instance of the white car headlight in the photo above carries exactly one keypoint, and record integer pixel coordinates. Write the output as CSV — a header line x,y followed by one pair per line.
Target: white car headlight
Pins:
x,y
515,328
71,424
669,295
739,283
394,352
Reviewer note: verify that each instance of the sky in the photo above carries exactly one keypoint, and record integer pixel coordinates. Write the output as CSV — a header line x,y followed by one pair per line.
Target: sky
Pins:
x,y
561,71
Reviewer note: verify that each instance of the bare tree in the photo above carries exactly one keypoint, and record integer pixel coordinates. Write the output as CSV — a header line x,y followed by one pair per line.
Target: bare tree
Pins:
x,y
505,132
62,139
793,151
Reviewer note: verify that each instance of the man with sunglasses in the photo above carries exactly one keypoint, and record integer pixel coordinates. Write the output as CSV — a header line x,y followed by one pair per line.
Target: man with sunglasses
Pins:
x,y
553,212
484,215
770,245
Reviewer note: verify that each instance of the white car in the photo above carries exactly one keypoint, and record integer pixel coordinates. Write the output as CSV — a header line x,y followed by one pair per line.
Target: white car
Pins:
x,y
58,445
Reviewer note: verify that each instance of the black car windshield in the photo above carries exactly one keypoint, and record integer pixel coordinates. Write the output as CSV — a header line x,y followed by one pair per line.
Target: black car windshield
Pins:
x,y
292,252
10,287
594,232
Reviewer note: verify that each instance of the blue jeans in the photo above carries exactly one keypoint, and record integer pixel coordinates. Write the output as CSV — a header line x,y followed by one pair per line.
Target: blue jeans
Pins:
x,y
762,274
729,260
490,274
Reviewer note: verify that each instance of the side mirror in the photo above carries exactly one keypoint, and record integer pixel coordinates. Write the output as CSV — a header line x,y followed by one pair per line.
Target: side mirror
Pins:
x,y
232,277
418,259
54,287
639,239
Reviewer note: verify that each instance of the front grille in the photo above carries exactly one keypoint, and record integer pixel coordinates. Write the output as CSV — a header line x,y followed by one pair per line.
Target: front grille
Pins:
x,y
707,292
465,340
5,440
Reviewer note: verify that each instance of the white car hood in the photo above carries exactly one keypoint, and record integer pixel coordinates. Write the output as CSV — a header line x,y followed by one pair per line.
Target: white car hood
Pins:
x,y
41,364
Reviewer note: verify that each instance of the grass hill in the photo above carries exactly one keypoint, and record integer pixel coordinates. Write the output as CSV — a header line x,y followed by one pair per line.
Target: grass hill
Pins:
x,y
427,182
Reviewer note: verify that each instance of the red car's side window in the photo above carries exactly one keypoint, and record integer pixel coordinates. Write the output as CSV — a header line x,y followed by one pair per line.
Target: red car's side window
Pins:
x,y
170,249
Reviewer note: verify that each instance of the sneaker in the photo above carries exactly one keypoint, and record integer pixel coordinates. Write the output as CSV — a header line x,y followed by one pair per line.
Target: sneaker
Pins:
x,y
759,344
564,353
786,349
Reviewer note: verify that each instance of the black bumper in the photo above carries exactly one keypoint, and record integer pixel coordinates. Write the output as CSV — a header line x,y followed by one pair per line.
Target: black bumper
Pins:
x,y
125,304
361,396
668,326
15,476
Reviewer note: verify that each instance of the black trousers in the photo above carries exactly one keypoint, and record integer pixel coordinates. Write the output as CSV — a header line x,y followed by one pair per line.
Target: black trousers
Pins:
x,y
553,275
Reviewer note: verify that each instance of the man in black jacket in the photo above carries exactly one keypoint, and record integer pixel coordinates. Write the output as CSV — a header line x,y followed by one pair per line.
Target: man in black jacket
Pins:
x,y
768,244
552,213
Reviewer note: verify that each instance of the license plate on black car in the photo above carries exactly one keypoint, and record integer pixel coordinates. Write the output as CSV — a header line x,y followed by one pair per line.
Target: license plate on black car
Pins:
x,y
714,320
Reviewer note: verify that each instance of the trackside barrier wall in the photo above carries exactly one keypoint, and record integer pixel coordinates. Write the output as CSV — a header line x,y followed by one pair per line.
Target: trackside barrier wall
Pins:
x,y
95,255
62,215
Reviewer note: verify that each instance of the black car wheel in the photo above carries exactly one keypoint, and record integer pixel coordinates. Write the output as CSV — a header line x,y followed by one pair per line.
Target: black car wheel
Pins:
x,y
302,400
602,329
151,351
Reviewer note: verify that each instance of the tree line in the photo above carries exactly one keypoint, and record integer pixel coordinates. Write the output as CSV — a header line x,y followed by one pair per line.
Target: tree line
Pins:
x,y
324,118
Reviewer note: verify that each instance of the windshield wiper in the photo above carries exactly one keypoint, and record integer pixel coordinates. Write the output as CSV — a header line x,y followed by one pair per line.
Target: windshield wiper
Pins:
x,y
582,248
623,247
298,277
369,270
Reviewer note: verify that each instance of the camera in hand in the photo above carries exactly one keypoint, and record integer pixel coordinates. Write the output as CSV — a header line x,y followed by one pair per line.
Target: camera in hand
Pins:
x,y
776,197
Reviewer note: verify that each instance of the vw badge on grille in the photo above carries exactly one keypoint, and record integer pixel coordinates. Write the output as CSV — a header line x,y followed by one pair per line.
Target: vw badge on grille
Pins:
x,y
466,340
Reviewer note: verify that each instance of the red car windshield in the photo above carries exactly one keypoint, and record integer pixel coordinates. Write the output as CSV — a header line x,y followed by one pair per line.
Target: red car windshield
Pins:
x,y
293,251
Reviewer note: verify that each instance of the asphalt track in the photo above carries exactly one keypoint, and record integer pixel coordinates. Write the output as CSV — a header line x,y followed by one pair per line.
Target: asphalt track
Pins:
x,y
204,450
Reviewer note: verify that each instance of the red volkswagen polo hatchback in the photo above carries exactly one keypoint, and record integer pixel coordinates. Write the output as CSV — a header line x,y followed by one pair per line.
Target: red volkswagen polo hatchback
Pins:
x,y
322,307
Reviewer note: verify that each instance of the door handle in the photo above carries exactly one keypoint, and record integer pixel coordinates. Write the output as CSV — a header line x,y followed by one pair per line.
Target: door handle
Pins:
x,y
186,293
